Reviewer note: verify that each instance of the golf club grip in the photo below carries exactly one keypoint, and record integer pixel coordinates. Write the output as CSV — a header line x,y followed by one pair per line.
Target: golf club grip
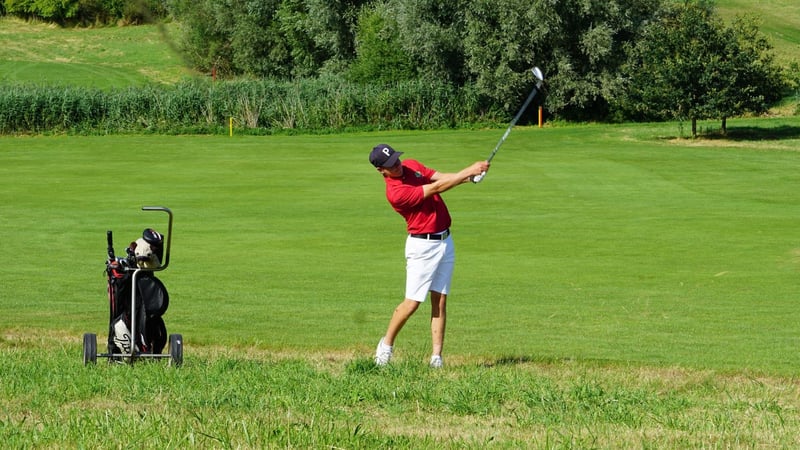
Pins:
x,y
110,240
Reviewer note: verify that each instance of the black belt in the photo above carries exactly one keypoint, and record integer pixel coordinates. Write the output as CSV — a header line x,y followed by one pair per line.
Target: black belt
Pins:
x,y
433,236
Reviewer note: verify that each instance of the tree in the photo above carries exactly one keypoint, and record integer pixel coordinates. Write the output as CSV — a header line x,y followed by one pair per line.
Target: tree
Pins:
x,y
579,45
58,11
503,39
332,25
268,38
257,46
793,82
758,80
84,12
380,57
431,32
293,23
243,37
688,65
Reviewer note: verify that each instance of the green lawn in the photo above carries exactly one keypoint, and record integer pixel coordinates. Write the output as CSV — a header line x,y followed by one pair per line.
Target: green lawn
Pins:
x,y
779,20
92,57
585,242
615,288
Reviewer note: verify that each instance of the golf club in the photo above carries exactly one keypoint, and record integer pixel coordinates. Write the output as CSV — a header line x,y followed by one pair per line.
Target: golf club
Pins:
x,y
539,80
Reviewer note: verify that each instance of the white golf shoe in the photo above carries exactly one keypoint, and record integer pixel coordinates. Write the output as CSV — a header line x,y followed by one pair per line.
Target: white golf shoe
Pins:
x,y
436,362
383,354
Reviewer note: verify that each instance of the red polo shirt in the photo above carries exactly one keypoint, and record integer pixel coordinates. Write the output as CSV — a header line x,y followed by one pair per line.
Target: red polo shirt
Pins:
x,y
423,215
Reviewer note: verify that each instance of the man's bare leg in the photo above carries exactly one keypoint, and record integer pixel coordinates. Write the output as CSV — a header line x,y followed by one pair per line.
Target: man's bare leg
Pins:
x,y
438,321
399,318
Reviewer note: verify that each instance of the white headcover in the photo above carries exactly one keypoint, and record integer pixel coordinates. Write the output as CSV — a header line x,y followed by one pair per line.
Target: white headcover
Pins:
x,y
146,258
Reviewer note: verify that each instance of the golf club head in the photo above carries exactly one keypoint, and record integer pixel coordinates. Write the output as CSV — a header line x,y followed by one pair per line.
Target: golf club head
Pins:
x,y
537,72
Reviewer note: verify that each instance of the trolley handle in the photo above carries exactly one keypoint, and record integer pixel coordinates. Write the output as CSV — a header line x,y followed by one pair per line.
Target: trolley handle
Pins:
x,y
168,239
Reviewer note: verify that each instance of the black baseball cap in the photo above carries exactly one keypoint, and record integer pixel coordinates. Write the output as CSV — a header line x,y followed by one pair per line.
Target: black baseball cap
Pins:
x,y
383,155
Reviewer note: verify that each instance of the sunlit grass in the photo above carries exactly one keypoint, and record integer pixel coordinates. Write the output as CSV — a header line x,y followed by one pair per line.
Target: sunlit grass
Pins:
x,y
586,242
779,20
106,57
221,398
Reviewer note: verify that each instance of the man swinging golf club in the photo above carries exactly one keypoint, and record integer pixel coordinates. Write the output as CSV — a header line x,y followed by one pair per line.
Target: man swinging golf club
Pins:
x,y
414,191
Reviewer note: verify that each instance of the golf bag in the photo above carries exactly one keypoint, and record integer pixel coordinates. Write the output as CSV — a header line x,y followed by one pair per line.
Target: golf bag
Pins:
x,y
152,298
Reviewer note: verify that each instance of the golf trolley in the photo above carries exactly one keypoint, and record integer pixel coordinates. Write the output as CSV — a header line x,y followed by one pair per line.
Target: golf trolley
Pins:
x,y
137,301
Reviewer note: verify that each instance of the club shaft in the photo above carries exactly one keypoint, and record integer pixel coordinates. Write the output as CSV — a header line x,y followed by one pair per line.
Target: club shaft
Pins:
x,y
514,122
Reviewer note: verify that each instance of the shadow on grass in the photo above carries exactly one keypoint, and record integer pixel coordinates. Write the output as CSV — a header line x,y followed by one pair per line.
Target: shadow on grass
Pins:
x,y
514,360
741,134
757,133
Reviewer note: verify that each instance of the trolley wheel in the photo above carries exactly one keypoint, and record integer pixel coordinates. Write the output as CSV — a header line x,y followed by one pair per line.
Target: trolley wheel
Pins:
x,y
176,349
89,348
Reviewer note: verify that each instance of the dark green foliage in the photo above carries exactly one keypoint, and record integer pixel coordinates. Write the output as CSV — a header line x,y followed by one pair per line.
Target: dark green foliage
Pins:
x,y
85,12
140,11
51,10
758,80
252,37
491,43
503,40
689,65
380,56
258,47
579,45
588,43
259,106
294,22
331,24
793,82
432,33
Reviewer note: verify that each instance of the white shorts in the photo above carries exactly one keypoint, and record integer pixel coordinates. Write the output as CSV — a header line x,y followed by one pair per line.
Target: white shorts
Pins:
x,y
429,267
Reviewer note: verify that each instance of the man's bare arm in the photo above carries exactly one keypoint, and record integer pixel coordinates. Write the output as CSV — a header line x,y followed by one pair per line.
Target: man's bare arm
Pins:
x,y
443,182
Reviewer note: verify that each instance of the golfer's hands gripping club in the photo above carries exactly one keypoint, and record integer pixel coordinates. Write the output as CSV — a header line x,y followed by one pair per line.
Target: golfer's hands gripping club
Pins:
x,y
477,178
483,167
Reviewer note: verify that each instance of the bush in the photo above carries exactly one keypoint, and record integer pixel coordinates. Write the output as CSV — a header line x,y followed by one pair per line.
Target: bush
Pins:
x,y
85,12
380,57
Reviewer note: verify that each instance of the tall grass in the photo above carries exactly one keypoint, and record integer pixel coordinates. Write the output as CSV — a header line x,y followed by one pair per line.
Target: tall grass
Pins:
x,y
259,107
229,399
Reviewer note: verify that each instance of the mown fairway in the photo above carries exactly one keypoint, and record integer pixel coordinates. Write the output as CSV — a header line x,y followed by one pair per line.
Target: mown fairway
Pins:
x,y
592,253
